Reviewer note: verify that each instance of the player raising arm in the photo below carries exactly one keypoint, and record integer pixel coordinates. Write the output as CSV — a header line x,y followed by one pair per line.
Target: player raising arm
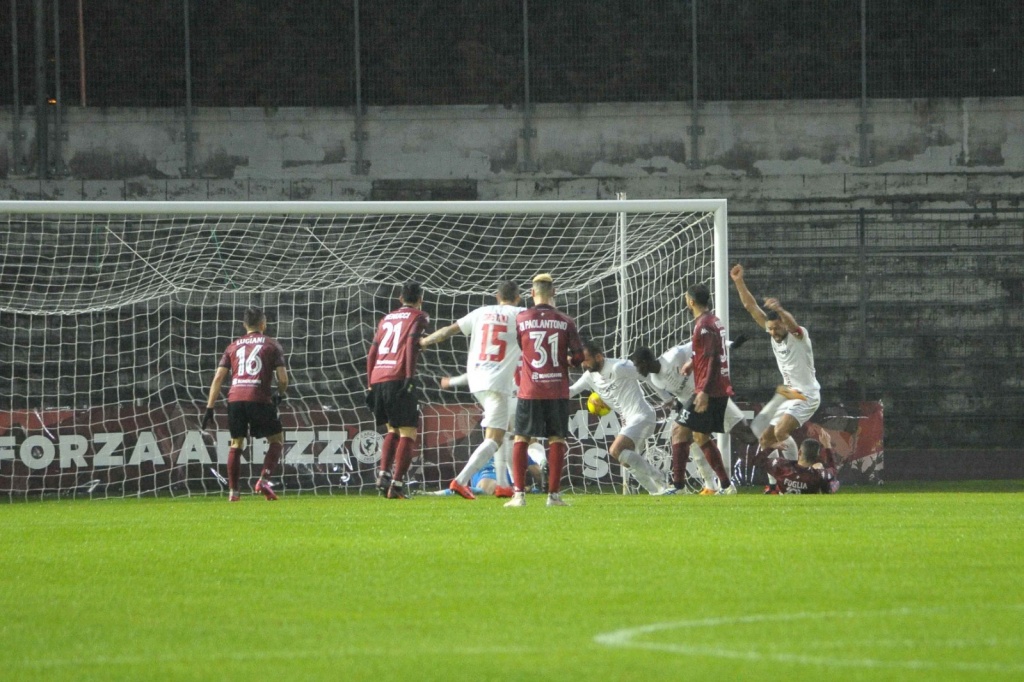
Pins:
x,y
550,344
490,369
799,396
252,361
813,472
617,382
390,370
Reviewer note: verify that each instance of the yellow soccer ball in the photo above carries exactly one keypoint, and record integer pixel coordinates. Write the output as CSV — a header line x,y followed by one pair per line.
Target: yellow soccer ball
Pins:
x,y
597,406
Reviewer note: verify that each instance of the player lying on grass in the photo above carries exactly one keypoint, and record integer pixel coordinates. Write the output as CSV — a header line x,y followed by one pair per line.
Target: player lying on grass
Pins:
x,y
252,361
492,362
674,387
813,472
618,384
485,480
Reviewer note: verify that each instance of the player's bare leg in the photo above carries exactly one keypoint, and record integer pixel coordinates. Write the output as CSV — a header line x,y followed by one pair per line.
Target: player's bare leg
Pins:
x,y
274,449
623,449
481,455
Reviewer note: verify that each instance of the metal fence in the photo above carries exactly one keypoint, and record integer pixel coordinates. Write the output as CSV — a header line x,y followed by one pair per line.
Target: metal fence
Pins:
x,y
251,53
923,310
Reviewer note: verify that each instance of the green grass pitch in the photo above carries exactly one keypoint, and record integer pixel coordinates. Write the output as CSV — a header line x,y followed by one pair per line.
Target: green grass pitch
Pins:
x,y
912,582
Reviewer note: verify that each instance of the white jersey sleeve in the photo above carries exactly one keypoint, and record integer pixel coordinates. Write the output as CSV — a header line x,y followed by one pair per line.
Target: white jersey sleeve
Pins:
x,y
581,384
669,382
618,384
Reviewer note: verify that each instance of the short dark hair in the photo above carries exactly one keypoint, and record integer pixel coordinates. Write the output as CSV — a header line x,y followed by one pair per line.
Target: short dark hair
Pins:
x,y
508,291
811,451
644,357
771,315
593,347
412,292
700,294
253,316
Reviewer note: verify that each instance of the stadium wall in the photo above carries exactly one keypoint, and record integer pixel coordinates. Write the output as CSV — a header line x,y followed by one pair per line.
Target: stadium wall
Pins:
x,y
761,154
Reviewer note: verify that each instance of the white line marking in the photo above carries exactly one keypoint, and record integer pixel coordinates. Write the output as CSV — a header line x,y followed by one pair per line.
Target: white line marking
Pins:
x,y
627,638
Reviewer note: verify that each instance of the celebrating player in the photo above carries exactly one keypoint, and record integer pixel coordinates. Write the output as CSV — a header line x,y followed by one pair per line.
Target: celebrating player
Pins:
x,y
617,382
704,413
813,472
675,388
251,361
490,368
550,344
799,396
390,370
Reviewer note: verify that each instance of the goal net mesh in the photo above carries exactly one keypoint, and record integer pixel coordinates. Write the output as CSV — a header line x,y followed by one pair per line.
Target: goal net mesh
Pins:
x,y
111,328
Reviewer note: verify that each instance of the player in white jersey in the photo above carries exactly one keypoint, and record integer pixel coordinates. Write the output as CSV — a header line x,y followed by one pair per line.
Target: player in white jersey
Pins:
x,y
798,398
490,370
618,384
673,386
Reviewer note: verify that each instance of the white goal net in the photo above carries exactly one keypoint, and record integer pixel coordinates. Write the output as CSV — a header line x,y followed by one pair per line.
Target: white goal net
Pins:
x,y
113,317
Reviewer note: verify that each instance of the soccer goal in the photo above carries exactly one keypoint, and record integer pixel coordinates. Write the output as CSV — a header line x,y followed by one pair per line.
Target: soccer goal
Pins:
x,y
113,317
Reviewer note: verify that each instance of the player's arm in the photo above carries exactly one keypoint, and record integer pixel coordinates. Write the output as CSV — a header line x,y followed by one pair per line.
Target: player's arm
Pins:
x,y
412,348
582,384
786,317
371,361
215,386
282,381
574,351
454,382
747,298
440,335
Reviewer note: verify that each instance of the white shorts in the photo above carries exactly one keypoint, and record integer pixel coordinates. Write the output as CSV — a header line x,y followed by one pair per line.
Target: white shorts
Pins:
x,y
499,409
638,431
800,410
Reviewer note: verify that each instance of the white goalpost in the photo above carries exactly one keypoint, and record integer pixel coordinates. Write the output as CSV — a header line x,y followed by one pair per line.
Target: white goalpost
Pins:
x,y
113,316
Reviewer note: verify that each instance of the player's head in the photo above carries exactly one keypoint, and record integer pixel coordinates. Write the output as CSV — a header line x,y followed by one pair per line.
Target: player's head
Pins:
x,y
646,361
774,325
508,293
543,290
593,356
254,319
810,453
412,293
698,297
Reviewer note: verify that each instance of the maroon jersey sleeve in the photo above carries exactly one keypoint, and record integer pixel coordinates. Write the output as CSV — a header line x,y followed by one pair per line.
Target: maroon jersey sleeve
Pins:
x,y
395,347
252,360
550,343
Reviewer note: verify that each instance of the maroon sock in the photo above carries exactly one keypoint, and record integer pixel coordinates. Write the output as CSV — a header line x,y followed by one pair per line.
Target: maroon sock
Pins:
x,y
714,458
403,457
680,456
271,459
556,460
387,451
234,462
520,459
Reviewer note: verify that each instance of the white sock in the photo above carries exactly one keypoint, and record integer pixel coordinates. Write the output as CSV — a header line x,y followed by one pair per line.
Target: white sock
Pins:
x,y
477,460
707,474
789,449
764,417
501,462
642,470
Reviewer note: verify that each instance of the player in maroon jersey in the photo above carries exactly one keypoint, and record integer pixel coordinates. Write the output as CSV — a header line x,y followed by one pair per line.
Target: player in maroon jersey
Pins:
x,y
813,472
251,361
704,413
550,344
390,368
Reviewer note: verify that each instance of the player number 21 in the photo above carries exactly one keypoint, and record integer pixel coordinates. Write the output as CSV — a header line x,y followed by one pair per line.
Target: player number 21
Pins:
x,y
541,360
493,347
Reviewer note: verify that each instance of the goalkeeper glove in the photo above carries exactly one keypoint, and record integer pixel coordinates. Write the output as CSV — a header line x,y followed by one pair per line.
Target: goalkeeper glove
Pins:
x,y
208,419
738,341
370,400
278,398
408,385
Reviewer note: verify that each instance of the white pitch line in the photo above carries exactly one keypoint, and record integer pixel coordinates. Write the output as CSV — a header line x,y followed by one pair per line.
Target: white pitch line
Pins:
x,y
626,638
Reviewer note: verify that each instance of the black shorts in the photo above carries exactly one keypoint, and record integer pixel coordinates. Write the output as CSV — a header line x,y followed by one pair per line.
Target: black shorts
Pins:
x,y
542,418
258,420
711,420
396,407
